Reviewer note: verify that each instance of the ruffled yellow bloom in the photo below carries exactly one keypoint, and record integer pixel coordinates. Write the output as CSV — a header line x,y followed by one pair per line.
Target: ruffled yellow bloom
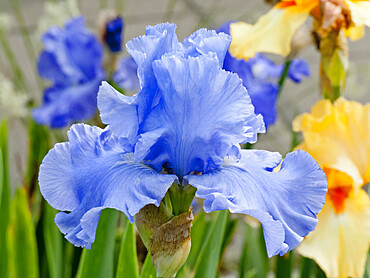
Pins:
x,y
338,137
273,31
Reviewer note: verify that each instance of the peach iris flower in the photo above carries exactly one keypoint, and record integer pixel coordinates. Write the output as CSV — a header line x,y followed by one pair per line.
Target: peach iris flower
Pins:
x,y
338,137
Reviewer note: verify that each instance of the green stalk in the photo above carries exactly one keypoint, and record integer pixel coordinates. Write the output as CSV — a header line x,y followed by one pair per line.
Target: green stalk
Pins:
x,y
284,76
169,10
18,74
25,36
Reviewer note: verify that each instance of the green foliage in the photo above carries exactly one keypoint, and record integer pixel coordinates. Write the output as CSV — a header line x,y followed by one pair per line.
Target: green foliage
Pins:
x,y
21,239
148,270
127,262
98,261
209,255
4,199
253,260
53,243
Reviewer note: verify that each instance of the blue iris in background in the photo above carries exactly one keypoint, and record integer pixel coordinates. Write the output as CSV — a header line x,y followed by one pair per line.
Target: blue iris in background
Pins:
x,y
126,74
184,127
72,62
260,76
113,34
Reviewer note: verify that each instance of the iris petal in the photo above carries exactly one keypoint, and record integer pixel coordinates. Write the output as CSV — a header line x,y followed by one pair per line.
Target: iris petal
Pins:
x,y
286,202
95,171
159,40
203,112
112,103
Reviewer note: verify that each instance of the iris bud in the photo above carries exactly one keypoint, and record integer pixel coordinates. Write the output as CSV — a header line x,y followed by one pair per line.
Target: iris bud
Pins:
x,y
167,237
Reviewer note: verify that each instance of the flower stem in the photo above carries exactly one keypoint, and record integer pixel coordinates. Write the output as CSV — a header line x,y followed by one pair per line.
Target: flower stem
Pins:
x,y
284,75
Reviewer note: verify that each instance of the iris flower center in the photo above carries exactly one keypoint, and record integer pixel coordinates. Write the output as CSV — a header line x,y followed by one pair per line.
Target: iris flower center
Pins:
x,y
340,186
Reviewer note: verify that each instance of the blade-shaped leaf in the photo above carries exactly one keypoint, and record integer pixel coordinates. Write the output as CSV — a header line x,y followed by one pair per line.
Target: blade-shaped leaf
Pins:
x,y
127,261
207,263
254,257
4,200
98,261
148,270
21,239
53,243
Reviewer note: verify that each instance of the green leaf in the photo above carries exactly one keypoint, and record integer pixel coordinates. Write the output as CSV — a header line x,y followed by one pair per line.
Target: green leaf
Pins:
x,y
254,259
127,261
53,243
284,265
4,200
98,261
21,239
148,270
198,236
207,263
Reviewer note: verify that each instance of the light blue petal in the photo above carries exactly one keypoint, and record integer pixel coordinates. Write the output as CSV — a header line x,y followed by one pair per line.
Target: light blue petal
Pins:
x,y
126,74
203,112
119,111
286,202
94,171
65,105
205,41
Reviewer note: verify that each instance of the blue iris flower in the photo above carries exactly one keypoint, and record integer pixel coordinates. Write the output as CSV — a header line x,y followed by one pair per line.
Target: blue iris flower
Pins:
x,y
126,74
260,76
113,34
184,126
72,61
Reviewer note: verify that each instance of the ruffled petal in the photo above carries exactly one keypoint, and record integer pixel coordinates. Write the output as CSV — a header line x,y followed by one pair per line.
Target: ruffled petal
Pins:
x,y
126,74
360,11
272,33
286,202
341,241
65,105
338,136
198,123
119,111
205,41
95,171
159,40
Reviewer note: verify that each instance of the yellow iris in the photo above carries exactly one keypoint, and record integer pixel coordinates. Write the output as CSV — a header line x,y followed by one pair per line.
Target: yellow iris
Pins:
x,y
338,137
273,31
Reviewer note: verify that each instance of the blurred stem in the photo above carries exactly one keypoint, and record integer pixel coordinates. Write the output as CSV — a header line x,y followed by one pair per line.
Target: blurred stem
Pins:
x,y
283,76
284,265
25,35
169,10
119,6
18,74
103,4
306,267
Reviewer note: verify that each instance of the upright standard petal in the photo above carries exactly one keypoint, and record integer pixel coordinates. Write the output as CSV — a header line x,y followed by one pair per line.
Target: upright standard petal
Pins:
x,y
93,171
119,111
286,202
338,136
203,112
272,33
159,40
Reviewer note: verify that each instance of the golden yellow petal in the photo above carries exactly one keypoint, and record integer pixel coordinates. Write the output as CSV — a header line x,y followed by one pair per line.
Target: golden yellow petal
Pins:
x,y
360,11
340,242
272,33
338,136
355,32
